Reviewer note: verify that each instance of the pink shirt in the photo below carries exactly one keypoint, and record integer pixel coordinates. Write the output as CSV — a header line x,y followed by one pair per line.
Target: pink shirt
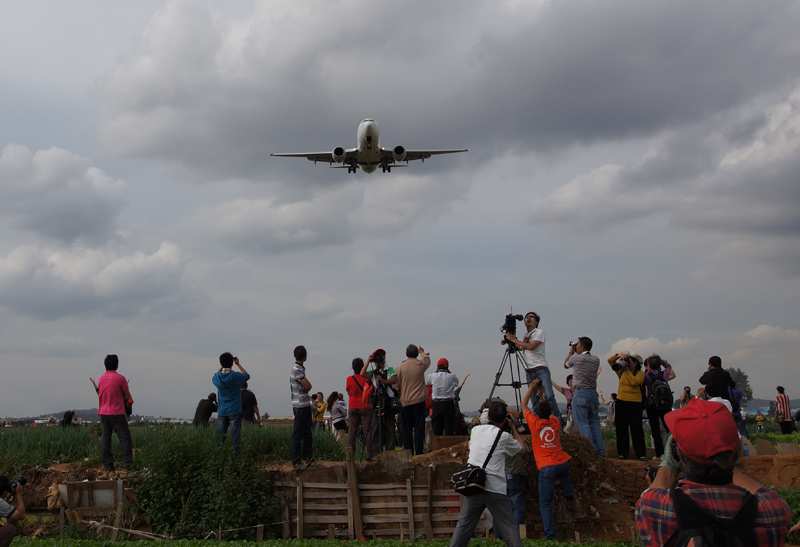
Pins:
x,y
111,387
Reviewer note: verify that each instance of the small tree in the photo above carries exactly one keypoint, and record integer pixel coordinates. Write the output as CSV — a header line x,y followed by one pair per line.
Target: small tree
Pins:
x,y
742,383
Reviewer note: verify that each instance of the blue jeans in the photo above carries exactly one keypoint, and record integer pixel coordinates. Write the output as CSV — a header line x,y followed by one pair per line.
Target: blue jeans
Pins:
x,y
547,483
235,423
543,374
585,405
516,491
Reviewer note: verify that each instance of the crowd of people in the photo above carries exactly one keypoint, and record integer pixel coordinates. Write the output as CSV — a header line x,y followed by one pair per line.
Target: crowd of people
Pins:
x,y
696,436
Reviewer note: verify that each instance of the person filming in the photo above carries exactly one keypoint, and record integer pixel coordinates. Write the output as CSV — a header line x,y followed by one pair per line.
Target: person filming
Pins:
x,y
10,491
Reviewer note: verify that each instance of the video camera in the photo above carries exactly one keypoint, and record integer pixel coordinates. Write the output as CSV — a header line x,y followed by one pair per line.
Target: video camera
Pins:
x,y
510,326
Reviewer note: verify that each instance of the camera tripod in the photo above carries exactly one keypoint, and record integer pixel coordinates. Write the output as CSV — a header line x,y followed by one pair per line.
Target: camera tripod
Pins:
x,y
516,367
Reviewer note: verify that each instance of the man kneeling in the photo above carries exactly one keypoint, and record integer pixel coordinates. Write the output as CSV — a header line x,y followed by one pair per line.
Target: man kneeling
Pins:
x,y
714,501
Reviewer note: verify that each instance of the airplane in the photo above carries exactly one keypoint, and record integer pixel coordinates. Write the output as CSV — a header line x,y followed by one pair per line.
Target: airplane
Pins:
x,y
368,155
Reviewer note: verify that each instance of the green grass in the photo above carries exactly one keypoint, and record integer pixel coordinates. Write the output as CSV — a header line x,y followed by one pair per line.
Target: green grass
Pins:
x,y
23,448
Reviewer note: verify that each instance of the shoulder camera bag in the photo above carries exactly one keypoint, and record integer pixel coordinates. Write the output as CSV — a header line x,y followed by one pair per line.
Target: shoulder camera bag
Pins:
x,y
471,479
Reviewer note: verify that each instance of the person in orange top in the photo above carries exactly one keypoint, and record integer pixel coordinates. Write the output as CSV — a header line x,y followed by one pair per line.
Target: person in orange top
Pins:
x,y
552,461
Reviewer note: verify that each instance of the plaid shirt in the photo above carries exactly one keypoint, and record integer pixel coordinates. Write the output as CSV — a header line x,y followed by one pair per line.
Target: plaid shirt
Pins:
x,y
655,515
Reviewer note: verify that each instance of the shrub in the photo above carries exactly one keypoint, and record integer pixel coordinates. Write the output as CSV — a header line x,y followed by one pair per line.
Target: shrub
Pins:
x,y
189,488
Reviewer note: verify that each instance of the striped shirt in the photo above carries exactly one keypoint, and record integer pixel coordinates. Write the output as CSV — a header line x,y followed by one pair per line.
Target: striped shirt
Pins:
x,y
655,514
300,398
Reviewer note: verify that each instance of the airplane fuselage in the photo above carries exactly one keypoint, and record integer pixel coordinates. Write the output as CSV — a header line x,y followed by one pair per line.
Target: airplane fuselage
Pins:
x,y
369,150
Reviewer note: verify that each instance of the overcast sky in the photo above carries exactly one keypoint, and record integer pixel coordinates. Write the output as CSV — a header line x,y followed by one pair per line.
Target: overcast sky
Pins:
x,y
633,175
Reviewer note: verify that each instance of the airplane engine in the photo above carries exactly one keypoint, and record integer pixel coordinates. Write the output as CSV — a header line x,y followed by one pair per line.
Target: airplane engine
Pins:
x,y
399,153
338,154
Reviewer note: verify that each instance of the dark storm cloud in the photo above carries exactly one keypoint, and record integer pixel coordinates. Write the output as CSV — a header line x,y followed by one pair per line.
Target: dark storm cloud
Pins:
x,y
217,98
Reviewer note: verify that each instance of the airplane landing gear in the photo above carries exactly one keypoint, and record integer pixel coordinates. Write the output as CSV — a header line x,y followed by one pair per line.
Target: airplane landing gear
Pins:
x,y
387,168
351,168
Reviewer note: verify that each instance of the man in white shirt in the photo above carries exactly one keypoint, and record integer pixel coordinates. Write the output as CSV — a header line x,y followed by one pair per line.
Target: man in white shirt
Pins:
x,y
494,497
532,347
443,392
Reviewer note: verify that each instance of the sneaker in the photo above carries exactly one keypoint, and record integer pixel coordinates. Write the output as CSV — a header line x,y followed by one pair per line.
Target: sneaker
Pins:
x,y
643,458
621,457
311,463
298,466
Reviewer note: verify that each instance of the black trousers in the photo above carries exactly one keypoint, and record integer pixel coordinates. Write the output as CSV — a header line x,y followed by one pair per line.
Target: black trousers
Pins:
x,y
117,423
443,418
629,418
657,425
301,436
412,427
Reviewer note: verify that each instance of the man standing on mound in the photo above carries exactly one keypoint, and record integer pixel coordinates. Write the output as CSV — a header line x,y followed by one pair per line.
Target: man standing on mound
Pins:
x,y
229,410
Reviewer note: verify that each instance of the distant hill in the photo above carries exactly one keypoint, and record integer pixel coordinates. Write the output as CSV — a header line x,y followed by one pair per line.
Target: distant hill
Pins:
x,y
764,403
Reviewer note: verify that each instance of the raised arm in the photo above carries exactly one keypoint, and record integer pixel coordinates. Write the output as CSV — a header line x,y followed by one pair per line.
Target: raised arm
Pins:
x,y
557,387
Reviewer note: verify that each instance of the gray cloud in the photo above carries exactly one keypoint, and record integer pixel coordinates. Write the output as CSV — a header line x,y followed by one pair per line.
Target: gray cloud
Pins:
x,y
51,283
699,180
59,195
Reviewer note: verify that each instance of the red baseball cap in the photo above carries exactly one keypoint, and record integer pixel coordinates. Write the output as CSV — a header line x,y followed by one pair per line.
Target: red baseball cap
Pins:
x,y
443,363
703,429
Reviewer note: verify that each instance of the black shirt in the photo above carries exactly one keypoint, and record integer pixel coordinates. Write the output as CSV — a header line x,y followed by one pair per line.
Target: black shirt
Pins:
x,y
248,405
204,410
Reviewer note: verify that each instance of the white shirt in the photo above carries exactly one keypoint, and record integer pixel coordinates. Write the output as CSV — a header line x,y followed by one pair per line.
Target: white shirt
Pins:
x,y
534,357
480,442
444,384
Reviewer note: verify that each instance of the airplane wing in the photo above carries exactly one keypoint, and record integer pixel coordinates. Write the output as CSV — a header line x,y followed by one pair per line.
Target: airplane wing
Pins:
x,y
421,154
325,157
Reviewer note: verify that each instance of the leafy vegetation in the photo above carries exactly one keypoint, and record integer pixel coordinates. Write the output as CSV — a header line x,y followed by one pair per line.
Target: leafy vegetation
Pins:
x,y
191,488
22,448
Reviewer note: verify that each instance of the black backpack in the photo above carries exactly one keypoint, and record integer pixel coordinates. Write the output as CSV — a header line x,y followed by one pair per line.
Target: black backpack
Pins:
x,y
660,394
709,531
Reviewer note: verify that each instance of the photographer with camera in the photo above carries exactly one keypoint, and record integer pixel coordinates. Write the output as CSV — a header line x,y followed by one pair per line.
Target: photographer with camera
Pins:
x,y
630,404
585,402
532,346
411,383
502,439
383,416
686,396
443,392
11,491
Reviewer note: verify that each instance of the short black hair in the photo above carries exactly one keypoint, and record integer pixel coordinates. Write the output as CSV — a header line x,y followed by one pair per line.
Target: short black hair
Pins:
x,y
111,362
569,378
300,353
226,360
543,410
586,342
498,412
715,361
654,362
721,466
535,316
412,351
358,364
780,389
